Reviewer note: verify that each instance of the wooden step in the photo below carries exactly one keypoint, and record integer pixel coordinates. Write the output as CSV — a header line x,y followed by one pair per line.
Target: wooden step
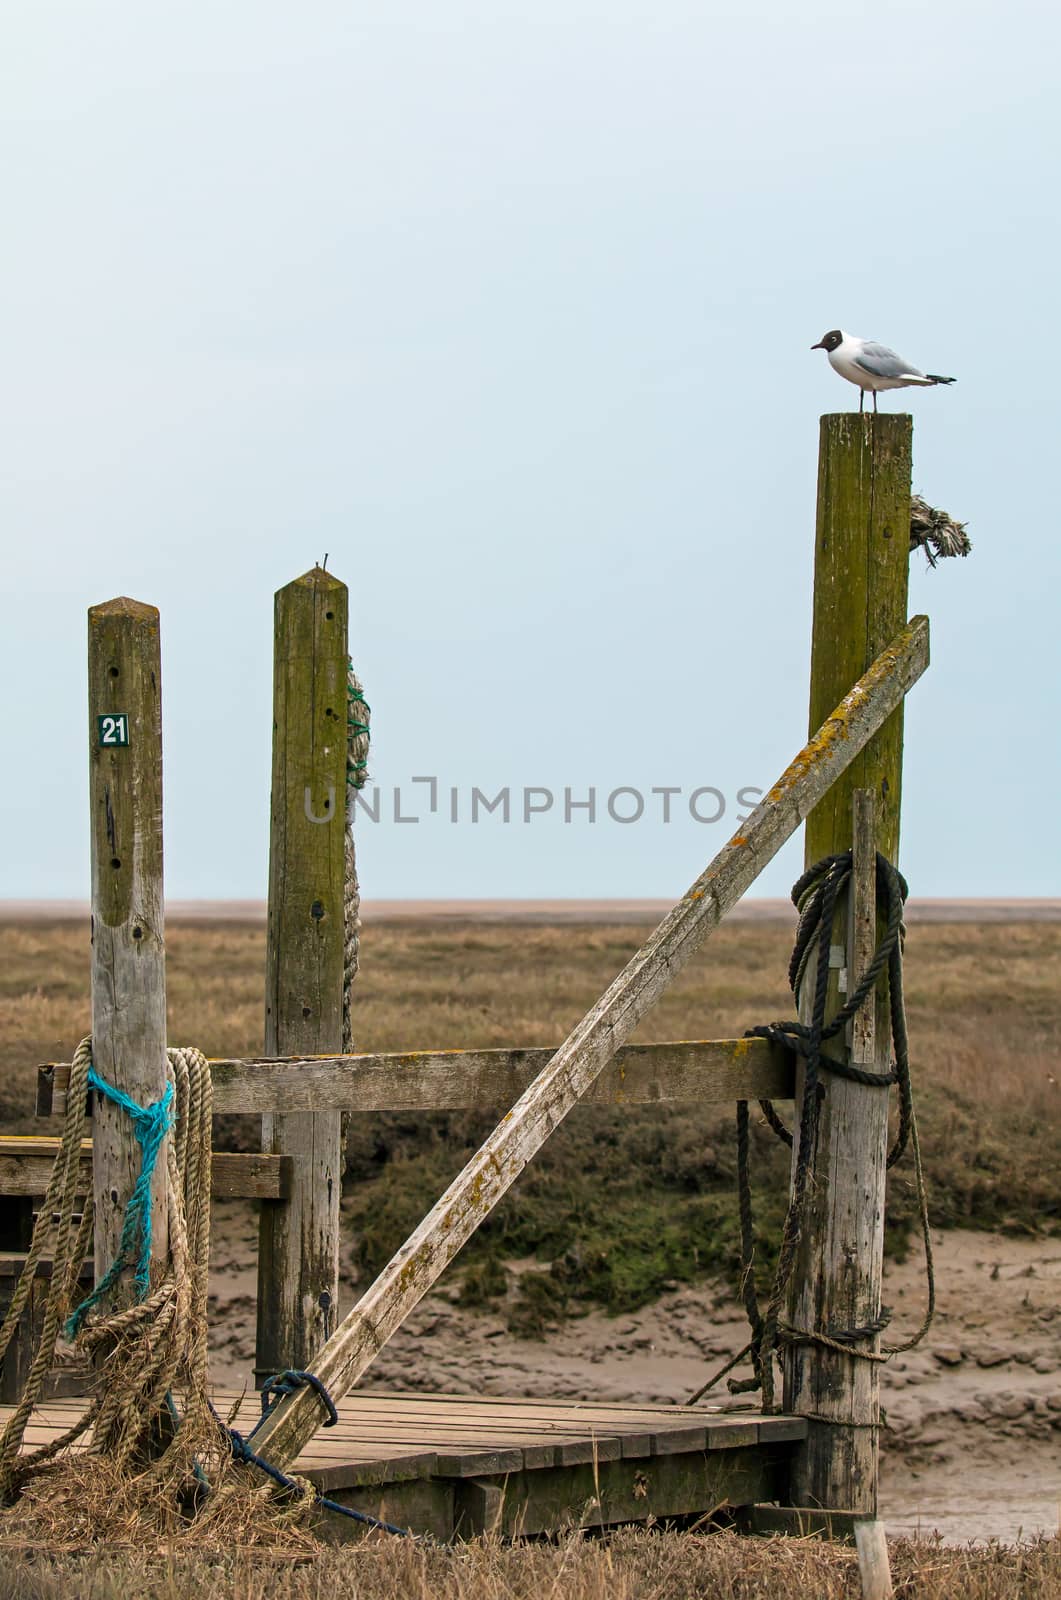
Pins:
x,y
26,1162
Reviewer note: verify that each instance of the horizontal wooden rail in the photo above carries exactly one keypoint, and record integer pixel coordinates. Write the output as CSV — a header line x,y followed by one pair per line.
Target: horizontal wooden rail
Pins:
x,y
709,1071
26,1166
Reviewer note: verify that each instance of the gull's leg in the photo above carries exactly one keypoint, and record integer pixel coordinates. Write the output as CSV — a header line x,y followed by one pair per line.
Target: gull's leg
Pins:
x,y
874,402
861,400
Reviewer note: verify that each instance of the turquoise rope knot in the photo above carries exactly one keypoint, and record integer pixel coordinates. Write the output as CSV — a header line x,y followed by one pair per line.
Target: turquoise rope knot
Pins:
x,y
356,771
151,1125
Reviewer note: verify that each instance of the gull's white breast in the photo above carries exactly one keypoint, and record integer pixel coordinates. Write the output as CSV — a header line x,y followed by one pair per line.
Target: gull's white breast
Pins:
x,y
842,361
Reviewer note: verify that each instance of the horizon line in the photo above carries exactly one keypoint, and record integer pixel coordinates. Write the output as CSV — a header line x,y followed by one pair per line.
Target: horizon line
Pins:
x,y
921,908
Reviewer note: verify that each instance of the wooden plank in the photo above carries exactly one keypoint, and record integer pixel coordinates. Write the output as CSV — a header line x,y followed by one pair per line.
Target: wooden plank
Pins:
x,y
12,1263
777,1429
433,1436
398,1468
715,1071
874,1567
419,1502
697,1071
731,1435
128,959
478,1508
384,1403
477,1463
575,1452
799,1522
234,1174
474,1193
672,1441
606,1493
298,1254
860,597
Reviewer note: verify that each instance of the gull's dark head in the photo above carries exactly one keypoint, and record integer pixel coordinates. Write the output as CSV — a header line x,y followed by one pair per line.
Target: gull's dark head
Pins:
x,y
829,341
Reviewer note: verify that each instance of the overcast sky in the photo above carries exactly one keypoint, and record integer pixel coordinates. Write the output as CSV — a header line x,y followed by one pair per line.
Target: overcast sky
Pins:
x,y
508,309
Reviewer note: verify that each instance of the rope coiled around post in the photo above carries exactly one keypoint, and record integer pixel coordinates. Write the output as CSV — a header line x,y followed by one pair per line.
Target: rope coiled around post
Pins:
x,y
816,895
157,1343
358,720
155,1348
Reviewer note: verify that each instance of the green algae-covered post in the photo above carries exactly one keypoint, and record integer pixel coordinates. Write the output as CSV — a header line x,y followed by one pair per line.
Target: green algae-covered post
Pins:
x,y
861,571
298,1278
860,602
128,952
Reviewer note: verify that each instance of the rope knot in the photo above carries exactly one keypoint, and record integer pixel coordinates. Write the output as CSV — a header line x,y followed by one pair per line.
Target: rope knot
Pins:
x,y
151,1124
815,896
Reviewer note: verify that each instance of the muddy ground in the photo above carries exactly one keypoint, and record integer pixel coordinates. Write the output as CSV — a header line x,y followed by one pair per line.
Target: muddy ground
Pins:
x,y
972,1446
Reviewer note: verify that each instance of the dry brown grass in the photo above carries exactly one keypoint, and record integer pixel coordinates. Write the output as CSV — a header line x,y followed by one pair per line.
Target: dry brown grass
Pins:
x,y
628,1566
985,1024
985,1002
985,1018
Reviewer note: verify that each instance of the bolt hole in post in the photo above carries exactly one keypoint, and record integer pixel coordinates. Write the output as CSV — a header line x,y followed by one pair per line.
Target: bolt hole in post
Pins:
x,y
138,933
114,672
115,862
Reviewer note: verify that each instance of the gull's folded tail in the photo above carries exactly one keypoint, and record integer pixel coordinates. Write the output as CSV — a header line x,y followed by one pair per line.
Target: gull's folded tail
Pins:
x,y
934,377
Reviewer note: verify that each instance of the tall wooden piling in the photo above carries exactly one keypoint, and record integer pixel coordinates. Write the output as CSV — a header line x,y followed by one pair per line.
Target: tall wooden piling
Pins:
x,y
860,602
298,1279
128,959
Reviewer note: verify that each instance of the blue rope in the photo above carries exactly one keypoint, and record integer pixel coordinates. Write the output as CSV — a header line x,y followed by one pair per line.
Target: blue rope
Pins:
x,y
288,1382
150,1124
273,1391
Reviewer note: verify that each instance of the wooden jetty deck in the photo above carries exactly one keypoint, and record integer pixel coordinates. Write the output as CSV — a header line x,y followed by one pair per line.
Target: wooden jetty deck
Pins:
x,y
457,1465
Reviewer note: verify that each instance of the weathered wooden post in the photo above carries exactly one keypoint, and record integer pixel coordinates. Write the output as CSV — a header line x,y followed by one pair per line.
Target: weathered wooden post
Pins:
x,y
298,1270
128,956
860,601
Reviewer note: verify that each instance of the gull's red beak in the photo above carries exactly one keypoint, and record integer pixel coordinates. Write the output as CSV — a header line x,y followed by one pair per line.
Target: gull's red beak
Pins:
x,y
818,346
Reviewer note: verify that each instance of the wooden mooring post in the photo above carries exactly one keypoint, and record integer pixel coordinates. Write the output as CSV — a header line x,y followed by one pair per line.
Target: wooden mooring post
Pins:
x,y
860,602
298,1272
128,956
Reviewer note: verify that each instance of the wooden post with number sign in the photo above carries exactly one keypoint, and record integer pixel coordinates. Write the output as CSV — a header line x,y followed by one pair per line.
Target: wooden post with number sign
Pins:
x,y
128,954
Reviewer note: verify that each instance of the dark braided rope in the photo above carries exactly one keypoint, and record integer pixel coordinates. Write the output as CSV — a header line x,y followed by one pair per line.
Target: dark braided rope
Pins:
x,y
815,895
790,1237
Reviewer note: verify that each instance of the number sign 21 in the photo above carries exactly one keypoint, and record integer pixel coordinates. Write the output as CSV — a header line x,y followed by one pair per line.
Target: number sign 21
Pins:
x,y
113,729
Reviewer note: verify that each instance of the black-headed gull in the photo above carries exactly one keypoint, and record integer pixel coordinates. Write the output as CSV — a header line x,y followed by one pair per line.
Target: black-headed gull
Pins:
x,y
872,366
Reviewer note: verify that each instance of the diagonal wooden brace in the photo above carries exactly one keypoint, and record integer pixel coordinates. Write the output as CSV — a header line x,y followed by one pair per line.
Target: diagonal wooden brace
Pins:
x,y
521,1133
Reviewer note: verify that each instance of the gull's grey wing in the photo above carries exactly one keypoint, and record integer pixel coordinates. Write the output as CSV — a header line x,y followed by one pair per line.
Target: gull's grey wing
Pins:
x,y
884,363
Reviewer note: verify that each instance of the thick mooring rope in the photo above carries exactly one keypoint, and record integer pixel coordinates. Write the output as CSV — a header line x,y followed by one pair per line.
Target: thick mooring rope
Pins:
x,y
157,1344
816,895
936,532
155,1349
358,717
